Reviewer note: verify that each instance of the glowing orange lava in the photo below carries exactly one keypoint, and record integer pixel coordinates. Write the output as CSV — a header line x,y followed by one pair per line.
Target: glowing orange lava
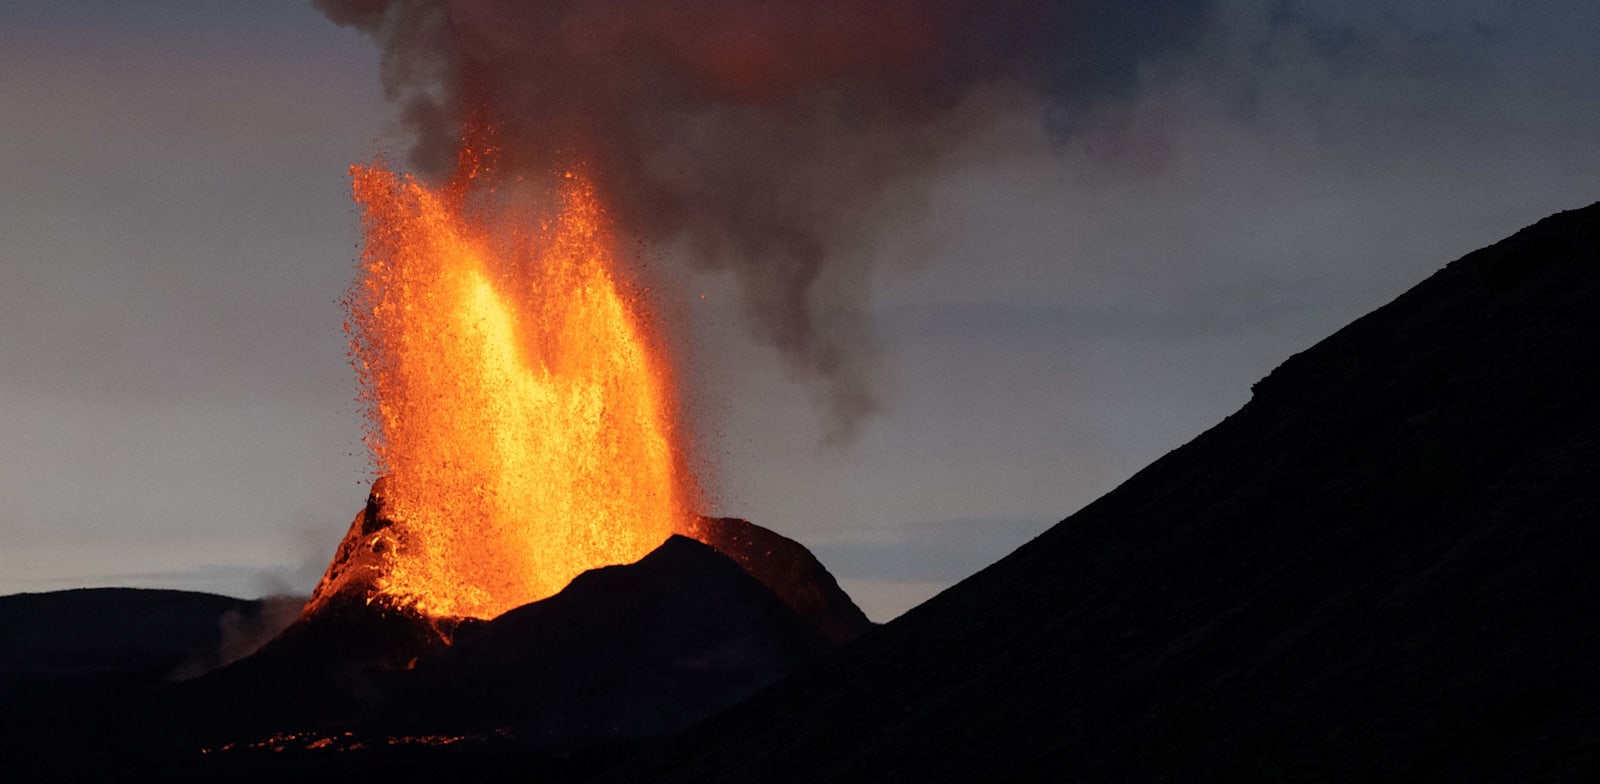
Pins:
x,y
522,417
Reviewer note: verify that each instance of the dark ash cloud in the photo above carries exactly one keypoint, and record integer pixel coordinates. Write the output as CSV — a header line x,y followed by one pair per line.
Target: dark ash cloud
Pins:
x,y
770,136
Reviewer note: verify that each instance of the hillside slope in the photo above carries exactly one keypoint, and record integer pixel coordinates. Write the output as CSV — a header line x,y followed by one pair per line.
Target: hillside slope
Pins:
x,y
1386,566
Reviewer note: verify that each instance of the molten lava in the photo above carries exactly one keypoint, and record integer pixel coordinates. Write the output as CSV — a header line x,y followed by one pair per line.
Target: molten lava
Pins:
x,y
520,414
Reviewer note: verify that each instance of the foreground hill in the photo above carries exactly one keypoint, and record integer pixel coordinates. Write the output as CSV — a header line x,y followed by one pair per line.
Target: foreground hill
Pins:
x,y
1386,566
621,654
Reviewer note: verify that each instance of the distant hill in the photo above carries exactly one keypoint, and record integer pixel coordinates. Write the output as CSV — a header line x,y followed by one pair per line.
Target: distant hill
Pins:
x,y
72,661
1385,567
131,635
127,631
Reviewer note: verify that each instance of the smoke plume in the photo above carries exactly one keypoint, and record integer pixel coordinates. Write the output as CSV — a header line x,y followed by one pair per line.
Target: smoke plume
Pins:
x,y
769,136
242,631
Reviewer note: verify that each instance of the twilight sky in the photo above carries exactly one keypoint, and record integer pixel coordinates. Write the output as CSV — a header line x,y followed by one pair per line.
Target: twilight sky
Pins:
x,y
175,232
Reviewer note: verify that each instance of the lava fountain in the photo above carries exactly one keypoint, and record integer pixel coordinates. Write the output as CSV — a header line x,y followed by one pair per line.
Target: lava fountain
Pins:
x,y
519,411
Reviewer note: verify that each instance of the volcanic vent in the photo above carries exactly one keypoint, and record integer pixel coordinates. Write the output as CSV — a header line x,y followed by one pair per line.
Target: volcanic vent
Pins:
x,y
519,410
519,413
530,538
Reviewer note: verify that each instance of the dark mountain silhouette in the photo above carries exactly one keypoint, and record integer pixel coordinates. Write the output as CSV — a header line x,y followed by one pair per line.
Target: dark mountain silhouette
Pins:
x,y
1385,567
637,651
623,655
783,565
123,633
790,571
624,652
701,633
324,673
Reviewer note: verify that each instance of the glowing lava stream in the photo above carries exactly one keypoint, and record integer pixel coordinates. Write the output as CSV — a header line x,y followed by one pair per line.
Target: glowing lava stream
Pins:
x,y
521,416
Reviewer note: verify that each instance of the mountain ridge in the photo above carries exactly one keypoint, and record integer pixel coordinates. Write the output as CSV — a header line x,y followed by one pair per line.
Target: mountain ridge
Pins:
x,y
1371,570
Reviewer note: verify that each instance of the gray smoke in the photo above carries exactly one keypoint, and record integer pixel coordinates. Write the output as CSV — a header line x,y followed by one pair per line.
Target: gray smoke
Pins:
x,y
770,136
242,631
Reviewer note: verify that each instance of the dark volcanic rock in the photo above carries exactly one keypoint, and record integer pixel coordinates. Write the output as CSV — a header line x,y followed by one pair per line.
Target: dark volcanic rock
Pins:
x,y
327,671
1386,566
789,570
783,565
623,652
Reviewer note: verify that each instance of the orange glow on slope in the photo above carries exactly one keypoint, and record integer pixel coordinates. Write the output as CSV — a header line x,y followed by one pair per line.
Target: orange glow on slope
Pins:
x,y
521,416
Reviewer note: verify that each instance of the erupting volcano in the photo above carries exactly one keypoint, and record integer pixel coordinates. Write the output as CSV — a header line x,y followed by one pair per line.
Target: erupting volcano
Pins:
x,y
521,420
520,411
